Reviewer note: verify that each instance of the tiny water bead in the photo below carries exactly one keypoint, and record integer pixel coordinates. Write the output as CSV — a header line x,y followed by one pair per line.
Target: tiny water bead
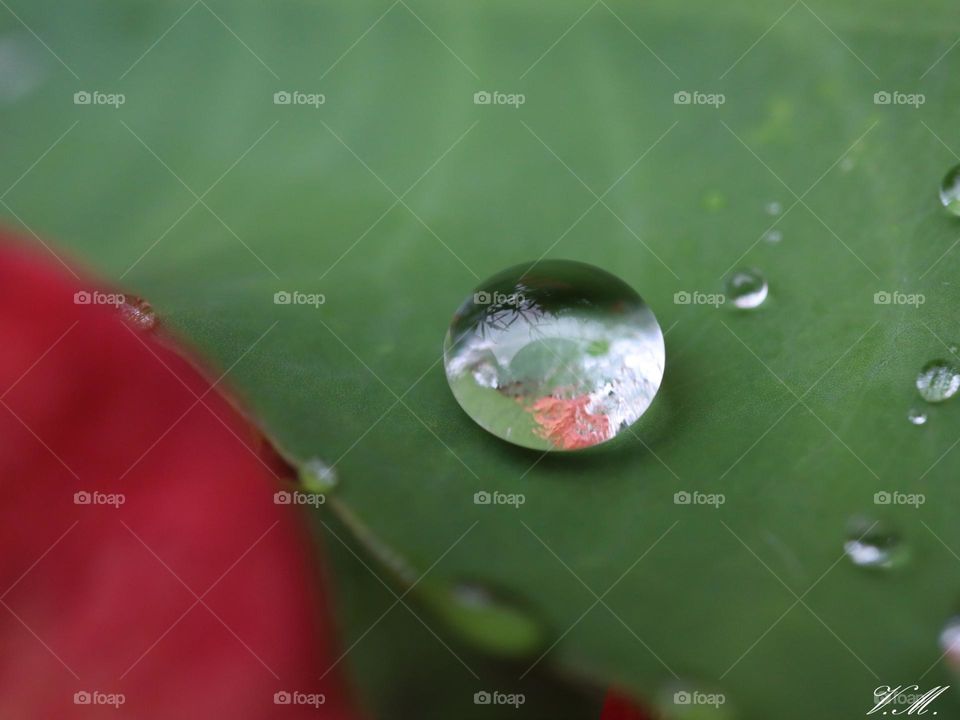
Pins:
x,y
873,544
773,236
939,380
486,619
746,289
138,313
317,477
557,355
950,191
774,208
917,417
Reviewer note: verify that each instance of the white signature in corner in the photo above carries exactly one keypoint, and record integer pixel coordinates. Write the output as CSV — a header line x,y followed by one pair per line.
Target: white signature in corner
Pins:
x,y
905,699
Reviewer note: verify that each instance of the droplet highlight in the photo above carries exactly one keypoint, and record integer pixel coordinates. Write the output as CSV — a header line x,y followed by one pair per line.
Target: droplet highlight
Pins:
x,y
485,618
938,380
746,289
950,191
873,544
317,477
138,313
917,417
559,355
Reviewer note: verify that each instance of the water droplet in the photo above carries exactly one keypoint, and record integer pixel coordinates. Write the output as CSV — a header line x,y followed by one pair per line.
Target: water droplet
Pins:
x,y
917,417
317,477
950,642
774,208
950,191
747,289
20,70
138,313
939,380
562,356
484,618
847,164
872,544
773,236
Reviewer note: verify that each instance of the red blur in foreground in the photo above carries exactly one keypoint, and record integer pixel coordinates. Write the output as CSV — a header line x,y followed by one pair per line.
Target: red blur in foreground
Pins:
x,y
172,586
620,707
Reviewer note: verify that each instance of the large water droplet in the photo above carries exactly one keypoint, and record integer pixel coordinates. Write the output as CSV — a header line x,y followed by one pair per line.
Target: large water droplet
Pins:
x,y
939,380
138,313
873,544
917,417
485,619
317,477
950,190
560,356
747,289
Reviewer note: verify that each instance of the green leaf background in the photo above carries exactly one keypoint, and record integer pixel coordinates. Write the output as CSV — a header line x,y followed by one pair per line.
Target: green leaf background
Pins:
x,y
395,197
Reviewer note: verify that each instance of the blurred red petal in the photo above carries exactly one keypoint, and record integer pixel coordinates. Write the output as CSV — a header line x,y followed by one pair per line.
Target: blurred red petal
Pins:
x,y
197,597
620,707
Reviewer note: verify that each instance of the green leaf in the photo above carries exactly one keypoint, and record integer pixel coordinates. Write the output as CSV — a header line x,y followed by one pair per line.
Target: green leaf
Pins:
x,y
394,197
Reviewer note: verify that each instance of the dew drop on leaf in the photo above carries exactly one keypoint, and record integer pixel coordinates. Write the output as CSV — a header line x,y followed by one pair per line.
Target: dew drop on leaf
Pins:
x,y
746,289
873,544
917,417
950,642
950,191
554,355
938,380
317,476
138,313
485,618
